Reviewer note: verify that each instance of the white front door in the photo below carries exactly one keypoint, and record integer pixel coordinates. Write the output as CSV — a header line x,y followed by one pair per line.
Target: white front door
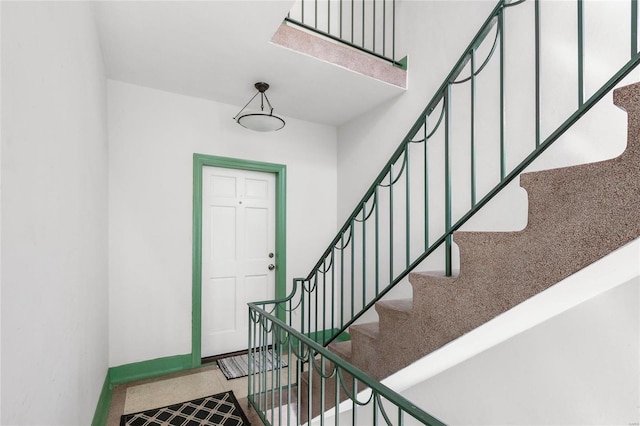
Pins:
x,y
238,247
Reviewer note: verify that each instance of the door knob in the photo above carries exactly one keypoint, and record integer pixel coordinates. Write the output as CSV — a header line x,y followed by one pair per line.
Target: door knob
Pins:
x,y
271,267
271,255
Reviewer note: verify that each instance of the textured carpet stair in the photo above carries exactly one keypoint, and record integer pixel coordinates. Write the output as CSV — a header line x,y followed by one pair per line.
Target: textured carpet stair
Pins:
x,y
576,216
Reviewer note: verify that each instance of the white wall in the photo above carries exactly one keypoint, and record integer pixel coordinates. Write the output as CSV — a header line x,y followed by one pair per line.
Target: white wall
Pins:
x,y
152,138
54,214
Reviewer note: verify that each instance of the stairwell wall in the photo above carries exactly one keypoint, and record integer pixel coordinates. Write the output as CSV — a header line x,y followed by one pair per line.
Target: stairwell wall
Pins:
x,y
54,214
152,138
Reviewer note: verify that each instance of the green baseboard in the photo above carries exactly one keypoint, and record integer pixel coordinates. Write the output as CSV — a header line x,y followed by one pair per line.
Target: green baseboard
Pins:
x,y
148,369
101,415
135,371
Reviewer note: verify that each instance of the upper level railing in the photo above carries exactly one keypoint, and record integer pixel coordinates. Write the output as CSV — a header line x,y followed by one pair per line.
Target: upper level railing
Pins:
x,y
413,207
366,25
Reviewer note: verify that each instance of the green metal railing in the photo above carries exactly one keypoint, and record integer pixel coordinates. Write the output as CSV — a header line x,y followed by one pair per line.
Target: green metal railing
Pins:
x,y
365,25
384,238
408,215
275,391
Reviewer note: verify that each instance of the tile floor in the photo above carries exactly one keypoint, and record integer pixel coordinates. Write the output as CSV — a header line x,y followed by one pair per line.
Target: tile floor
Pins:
x,y
184,386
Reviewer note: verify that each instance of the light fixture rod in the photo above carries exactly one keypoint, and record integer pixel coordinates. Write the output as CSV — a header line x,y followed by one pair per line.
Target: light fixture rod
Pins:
x,y
247,104
268,103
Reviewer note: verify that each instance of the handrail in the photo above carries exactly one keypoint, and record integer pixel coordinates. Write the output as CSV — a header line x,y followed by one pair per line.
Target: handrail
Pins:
x,y
376,26
348,254
272,394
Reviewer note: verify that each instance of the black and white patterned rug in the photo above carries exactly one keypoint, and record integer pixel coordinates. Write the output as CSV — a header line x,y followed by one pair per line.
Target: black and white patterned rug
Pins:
x,y
238,366
219,410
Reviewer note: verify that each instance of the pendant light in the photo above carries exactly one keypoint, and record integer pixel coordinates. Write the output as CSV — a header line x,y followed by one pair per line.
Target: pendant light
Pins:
x,y
262,121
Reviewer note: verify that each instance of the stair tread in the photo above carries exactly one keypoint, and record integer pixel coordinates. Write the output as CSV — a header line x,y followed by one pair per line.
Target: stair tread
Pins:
x,y
439,274
399,305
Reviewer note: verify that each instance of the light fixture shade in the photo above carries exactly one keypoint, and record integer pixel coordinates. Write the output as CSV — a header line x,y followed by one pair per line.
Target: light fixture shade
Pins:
x,y
261,121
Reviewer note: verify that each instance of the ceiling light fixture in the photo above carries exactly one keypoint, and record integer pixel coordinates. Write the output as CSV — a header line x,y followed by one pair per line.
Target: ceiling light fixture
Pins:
x,y
260,121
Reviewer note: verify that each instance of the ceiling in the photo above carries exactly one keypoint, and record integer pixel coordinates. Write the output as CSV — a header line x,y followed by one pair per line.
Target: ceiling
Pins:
x,y
217,50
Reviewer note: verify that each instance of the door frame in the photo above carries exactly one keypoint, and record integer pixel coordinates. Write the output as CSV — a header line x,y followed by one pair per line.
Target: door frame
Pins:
x,y
199,162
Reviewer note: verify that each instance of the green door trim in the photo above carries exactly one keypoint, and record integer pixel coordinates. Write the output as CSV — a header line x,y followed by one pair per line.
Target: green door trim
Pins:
x,y
199,162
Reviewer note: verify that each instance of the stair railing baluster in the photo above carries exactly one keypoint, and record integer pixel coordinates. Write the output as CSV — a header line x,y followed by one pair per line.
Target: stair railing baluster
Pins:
x,y
634,27
580,25
363,25
310,387
373,26
279,370
447,183
407,198
391,222
375,411
352,19
364,253
384,27
353,269
322,390
333,289
303,317
316,322
473,127
250,354
426,183
340,18
328,16
261,364
393,33
324,300
536,6
270,355
289,350
501,28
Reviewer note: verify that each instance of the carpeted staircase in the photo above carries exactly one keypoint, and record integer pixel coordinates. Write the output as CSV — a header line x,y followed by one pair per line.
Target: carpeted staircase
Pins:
x,y
576,216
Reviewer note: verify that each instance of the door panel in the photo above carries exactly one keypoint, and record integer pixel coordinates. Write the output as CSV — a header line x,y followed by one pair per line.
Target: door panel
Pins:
x,y
238,234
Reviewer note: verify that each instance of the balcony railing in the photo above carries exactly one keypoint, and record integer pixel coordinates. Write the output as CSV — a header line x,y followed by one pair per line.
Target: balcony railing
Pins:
x,y
365,25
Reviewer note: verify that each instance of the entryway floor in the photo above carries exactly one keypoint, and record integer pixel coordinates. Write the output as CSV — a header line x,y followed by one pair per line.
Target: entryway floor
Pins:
x,y
178,387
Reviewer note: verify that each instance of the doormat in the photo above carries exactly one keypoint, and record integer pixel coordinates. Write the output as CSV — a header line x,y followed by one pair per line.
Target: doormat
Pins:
x,y
238,366
220,410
